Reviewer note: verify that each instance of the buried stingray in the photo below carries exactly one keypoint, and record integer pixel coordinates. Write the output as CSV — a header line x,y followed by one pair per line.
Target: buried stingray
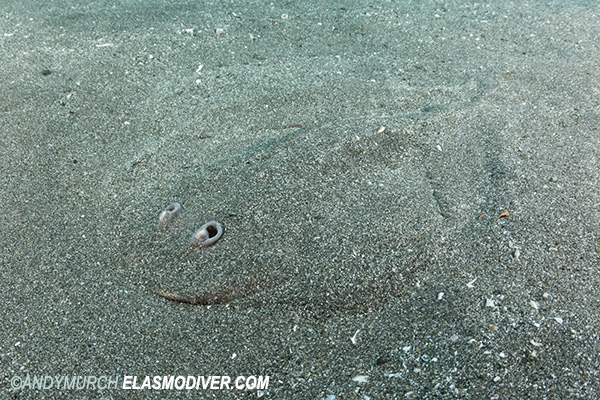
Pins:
x,y
317,239
266,268
207,235
312,292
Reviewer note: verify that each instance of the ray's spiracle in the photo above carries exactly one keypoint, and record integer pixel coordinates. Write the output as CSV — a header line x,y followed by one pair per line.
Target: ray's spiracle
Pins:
x,y
169,213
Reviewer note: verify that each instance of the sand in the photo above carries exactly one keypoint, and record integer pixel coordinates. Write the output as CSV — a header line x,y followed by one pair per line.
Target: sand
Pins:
x,y
358,157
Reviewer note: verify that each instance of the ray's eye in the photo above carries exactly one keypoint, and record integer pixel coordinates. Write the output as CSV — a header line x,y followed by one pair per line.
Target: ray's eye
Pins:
x,y
207,235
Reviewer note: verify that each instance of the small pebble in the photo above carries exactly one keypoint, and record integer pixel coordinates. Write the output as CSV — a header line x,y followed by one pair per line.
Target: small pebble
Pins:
x,y
382,361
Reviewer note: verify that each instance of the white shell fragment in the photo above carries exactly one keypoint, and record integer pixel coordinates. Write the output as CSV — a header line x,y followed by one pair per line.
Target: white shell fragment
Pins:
x,y
534,304
353,338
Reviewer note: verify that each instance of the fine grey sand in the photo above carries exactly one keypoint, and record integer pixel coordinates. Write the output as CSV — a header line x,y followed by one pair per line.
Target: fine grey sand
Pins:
x,y
409,193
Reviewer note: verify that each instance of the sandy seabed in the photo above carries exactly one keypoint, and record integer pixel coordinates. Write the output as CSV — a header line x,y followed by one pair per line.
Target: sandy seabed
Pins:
x,y
359,158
